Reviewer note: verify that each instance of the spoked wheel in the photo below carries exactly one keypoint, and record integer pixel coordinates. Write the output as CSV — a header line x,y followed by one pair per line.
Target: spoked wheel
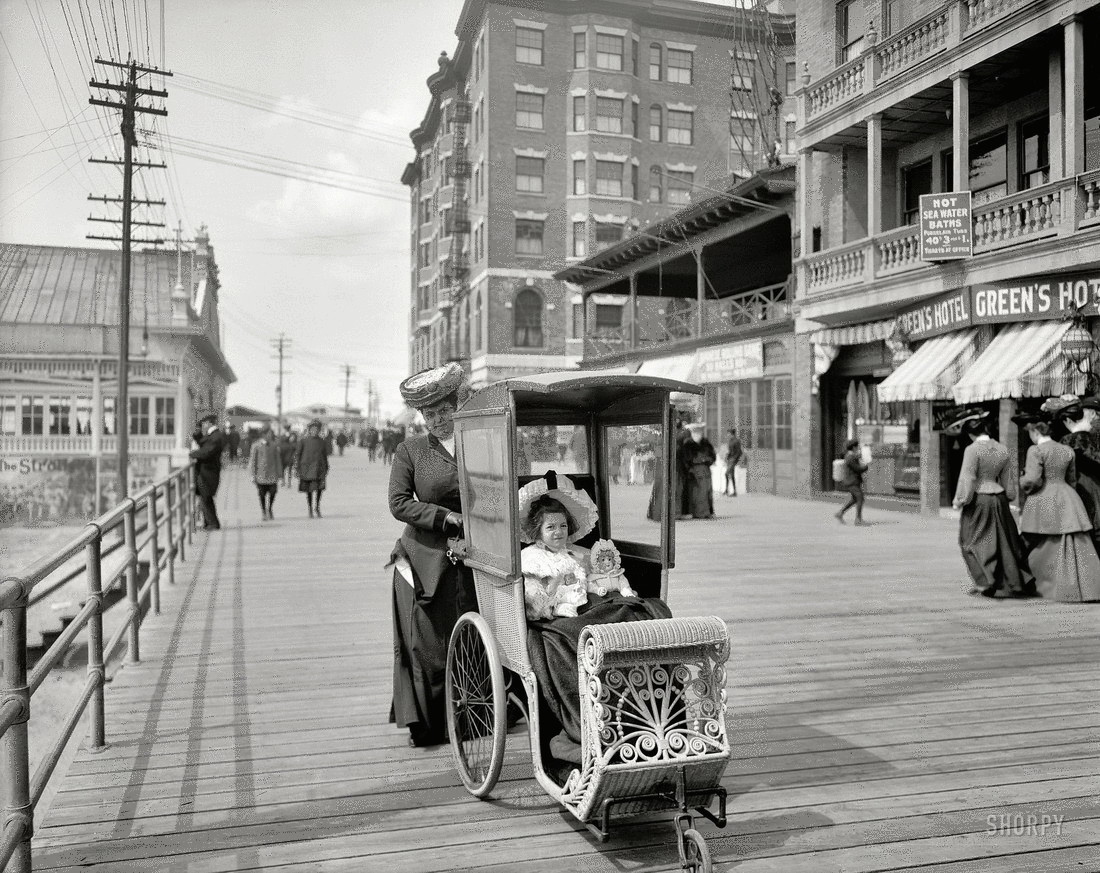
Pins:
x,y
694,852
476,704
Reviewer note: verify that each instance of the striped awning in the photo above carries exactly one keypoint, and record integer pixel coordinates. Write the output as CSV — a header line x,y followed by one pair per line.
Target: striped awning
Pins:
x,y
933,369
1024,360
855,334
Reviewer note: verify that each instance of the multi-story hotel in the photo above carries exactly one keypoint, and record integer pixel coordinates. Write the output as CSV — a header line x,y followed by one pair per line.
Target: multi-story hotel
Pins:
x,y
995,100
556,130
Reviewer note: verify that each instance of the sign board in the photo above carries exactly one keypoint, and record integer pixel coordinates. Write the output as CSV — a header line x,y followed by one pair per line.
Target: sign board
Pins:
x,y
1033,298
946,232
730,363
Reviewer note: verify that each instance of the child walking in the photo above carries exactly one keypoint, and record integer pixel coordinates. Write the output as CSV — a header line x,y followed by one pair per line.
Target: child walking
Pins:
x,y
266,467
311,462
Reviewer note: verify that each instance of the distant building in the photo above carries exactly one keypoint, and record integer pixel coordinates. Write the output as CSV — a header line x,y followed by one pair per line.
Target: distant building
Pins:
x,y
556,130
59,372
336,417
243,417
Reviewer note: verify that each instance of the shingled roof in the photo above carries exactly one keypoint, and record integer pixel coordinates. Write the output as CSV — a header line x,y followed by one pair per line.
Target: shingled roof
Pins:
x,y
78,286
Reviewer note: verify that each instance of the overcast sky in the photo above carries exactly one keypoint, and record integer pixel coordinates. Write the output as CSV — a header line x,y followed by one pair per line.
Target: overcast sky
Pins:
x,y
327,267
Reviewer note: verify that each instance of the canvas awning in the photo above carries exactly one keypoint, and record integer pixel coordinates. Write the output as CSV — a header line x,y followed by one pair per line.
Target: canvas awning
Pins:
x,y
933,369
678,367
1024,360
855,334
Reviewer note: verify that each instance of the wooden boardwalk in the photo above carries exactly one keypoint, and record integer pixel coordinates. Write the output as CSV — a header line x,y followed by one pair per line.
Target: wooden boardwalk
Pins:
x,y
881,719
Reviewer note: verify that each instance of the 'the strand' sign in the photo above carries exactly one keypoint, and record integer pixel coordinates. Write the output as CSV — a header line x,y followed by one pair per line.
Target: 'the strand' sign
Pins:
x,y
946,232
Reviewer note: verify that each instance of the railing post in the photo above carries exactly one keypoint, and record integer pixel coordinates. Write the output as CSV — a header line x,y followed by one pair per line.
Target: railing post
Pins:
x,y
134,654
15,704
94,577
169,528
181,512
190,510
154,552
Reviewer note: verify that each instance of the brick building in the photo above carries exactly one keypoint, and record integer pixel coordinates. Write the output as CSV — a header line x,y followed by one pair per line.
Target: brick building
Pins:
x,y
998,101
556,130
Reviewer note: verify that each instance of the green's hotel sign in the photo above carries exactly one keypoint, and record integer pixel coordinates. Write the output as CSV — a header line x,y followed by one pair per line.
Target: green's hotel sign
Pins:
x,y
1037,298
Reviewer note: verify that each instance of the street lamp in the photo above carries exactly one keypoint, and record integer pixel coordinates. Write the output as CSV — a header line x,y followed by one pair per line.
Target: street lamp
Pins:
x,y
1078,347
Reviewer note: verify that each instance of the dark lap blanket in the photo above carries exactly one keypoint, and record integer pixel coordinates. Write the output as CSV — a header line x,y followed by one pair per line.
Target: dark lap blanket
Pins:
x,y
552,646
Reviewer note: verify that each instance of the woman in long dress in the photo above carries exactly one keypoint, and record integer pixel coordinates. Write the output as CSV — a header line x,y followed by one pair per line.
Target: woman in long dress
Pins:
x,y
1062,557
698,456
429,591
1078,416
991,546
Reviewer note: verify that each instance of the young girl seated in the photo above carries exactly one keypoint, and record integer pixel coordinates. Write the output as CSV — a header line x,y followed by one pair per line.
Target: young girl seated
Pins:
x,y
554,575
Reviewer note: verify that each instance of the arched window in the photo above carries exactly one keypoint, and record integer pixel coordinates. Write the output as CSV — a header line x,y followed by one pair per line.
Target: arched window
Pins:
x,y
656,125
527,317
655,184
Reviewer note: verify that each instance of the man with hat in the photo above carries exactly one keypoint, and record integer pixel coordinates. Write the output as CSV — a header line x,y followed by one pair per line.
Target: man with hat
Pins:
x,y
208,467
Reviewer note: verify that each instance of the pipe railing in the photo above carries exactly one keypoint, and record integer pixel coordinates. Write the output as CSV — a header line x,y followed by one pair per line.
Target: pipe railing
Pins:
x,y
167,508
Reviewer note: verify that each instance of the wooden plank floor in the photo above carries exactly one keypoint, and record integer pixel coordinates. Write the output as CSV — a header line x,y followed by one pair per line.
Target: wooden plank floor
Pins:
x,y
882,720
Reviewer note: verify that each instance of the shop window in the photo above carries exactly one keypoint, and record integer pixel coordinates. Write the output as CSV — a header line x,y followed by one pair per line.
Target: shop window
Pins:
x,y
139,416
609,51
8,419
655,62
609,115
528,46
60,423
744,415
529,174
165,423
580,114
783,405
765,429
679,66
527,317
989,168
680,127
529,110
851,25
580,50
34,416
655,123
916,180
580,181
609,179
528,236
1034,157
608,233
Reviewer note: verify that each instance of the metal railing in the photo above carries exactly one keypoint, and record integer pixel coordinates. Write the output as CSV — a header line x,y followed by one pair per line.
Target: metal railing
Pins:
x,y
168,510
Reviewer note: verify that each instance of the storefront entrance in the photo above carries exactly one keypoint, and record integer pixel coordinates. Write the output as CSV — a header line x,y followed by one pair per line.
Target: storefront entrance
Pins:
x,y
760,409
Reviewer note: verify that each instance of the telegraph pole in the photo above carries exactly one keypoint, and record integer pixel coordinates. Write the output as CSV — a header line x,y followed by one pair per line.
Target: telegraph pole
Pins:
x,y
130,109
348,370
282,350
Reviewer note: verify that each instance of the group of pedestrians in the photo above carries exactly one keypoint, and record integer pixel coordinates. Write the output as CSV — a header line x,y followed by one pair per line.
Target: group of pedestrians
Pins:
x,y
1052,553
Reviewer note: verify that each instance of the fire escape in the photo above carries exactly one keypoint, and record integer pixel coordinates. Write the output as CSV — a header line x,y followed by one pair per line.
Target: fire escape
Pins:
x,y
756,101
456,272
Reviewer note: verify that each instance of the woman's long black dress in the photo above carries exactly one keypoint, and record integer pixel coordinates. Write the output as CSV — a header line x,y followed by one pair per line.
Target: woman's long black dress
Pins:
x,y
423,489
1087,451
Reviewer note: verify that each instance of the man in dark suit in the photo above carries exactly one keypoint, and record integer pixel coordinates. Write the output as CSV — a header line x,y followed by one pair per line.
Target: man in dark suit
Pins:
x,y
208,467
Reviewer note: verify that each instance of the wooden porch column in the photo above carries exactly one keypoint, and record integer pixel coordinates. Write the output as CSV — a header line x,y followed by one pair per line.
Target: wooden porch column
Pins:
x,y
874,175
960,132
183,414
929,461
1055,117
1074,82
700,292
97,410
805,228
632,314
1010,439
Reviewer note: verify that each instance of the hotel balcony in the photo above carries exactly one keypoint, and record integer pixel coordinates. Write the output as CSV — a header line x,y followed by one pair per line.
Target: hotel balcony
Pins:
x,y
71,444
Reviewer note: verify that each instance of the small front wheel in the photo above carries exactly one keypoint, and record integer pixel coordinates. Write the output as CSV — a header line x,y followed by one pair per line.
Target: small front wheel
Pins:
x,y
694,852
476,704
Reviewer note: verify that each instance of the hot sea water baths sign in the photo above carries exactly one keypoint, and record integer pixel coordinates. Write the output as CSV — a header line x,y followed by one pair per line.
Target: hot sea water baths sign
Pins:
x,y
946,231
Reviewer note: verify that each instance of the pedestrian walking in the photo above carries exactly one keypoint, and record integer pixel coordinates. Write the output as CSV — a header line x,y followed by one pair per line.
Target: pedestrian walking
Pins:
x,y
341,441
311,462
208,468
698,456
265,464
391,438
992,549
430,591
288,443
330,442
371,438
734,455
1055,522
852,481
233,441
1079,414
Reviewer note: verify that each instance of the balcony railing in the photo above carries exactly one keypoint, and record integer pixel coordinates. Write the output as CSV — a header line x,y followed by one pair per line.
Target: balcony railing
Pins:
x,y
1059,208
67,444
838,87
979,13
913,44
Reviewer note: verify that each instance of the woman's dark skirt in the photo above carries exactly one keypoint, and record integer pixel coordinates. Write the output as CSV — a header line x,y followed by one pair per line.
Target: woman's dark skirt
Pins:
x,y
308,486
421,630
992,548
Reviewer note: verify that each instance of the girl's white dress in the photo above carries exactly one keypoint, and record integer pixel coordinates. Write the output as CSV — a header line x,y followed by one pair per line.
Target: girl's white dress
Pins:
x,y
554,583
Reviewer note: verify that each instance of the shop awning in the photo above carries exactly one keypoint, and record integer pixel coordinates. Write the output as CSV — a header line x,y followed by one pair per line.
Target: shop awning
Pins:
x,y
678,367
933,369
1024,360
855,334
